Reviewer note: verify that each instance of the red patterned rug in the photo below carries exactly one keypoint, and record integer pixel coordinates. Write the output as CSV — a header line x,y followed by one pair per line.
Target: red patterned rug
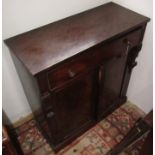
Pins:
x,y
96,141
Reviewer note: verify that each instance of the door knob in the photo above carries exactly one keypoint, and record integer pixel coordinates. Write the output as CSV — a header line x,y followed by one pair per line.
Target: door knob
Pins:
x,y
50,114
128,46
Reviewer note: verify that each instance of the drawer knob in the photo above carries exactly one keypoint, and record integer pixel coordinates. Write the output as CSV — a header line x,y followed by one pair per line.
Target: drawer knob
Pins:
x,y
50,114
71,73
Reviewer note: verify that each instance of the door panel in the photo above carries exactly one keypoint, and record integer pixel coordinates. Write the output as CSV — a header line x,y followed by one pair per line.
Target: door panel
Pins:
x,y
110,77
73,104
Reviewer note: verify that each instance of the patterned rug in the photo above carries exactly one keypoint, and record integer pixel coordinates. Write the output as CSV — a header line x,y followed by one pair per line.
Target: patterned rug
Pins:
x,y
96,141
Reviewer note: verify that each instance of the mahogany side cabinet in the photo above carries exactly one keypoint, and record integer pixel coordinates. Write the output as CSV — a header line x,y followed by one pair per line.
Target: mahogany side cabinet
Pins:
x,y
76,71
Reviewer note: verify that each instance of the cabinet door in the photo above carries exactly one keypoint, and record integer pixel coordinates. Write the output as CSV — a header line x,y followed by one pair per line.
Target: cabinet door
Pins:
x,y
73,106
110,79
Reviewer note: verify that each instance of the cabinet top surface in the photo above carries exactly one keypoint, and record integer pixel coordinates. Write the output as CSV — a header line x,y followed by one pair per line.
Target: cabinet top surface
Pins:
x,y
46,46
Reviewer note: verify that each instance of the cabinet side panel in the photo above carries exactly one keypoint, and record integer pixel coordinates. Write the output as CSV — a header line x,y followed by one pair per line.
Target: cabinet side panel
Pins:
x,y
29,84
32,93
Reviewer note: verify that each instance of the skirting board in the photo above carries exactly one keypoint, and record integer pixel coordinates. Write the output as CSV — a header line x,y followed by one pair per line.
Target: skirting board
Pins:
x,y
23,120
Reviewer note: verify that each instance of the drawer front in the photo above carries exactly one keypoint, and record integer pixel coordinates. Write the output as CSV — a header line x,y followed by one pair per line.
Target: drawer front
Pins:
x,y
66,71
118,46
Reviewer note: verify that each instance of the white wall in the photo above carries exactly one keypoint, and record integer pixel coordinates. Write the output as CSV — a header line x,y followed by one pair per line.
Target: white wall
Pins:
x,y
14,101
141,85
23,15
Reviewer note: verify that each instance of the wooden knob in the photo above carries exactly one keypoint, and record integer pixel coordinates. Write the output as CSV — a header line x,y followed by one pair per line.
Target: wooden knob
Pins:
x,y
50,114
71,73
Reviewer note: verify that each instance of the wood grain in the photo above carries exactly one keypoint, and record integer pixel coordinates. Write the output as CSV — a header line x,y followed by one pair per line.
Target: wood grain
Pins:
x,y
41,48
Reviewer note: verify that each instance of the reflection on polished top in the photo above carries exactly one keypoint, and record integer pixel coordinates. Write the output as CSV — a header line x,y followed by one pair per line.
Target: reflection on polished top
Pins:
x,y
46,46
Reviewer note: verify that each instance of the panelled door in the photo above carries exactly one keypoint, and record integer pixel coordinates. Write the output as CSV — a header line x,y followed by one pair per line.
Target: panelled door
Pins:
x,y
73,106
110,82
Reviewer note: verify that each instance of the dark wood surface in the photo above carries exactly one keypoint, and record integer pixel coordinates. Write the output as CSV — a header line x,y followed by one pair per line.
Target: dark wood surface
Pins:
x,y
147,148
44,47
7,146
111,77
149,118
141,127
66,106
76,71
